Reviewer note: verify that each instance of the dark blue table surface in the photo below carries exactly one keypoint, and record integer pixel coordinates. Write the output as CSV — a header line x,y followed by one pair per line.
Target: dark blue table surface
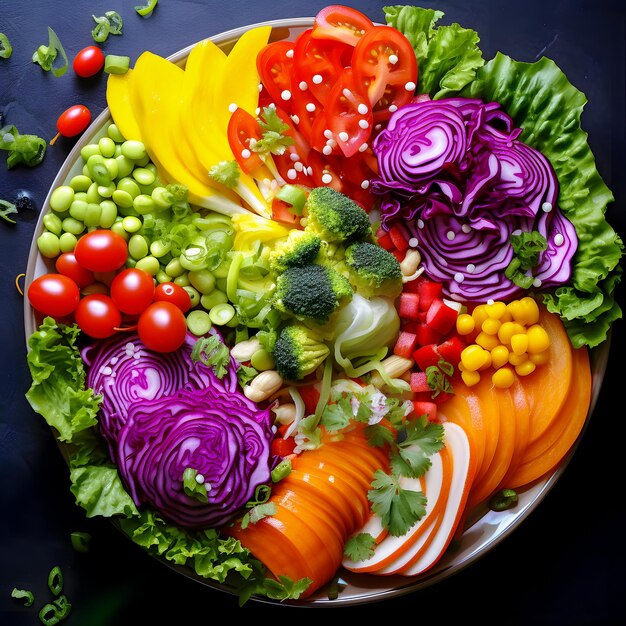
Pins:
x,y
564,565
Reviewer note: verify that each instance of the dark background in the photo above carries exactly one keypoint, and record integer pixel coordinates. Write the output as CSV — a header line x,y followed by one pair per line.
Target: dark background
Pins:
x,y
564,565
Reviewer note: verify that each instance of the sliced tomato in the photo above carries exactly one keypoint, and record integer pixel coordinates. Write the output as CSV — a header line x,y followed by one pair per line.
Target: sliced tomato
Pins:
x,y
326,170
242,127
341,23
306,108
275,66
349,115
293,162
385,62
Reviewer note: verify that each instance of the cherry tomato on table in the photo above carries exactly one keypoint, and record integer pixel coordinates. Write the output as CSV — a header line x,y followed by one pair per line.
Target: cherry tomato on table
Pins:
x,y
97,316
162,327
67,265
88,61
132,290
171,292
101,250
72,121
341,23
54,294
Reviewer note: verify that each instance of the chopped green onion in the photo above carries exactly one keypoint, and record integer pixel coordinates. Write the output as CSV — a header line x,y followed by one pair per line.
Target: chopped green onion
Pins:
x,y
504,499
146,10
5,47
44,56
55,612
282,470
80,541
193,485
23,594
222,313
7,208
295,196
116,64
115,22
55,580
101,30
47,55
27,149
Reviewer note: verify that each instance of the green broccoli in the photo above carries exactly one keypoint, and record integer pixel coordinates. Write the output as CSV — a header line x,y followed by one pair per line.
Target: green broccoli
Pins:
x,y
300,248
335,217
312,292
372,270
298,351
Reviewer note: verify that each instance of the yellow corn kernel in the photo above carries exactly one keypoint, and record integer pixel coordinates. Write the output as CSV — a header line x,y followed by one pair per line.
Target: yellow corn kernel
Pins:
x,y
499,356
531,311
539,358
517,359
479,314
496,309
506,316
465,324
538,339
503,378
491,326
486,341
525,368
506,331
487,363
470,378
474,357
519,343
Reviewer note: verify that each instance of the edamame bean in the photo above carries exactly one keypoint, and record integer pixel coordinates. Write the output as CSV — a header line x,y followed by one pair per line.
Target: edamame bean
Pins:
x,y
202,280
81,195
162,277
78,208
106,192
118,150
130,262
128,185
48,244
80,183
124,211
71,225
108,213
61,198
113,167
262,360
132,224
92,214
138,247
143,161
98,170
122,198
86,173
114,132
67,242
143,204
209,300
144,176
174,268
117,227
194,295
148,264
106,145
199,322
92,193
182,280
152,167
124,165
159,248
89,150
222,314
162,197
53,223
133,149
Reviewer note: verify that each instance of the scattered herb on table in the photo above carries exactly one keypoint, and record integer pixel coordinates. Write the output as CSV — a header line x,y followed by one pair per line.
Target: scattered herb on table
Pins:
x,y
46,56
23,594
5,47
110,23
27,149
146,10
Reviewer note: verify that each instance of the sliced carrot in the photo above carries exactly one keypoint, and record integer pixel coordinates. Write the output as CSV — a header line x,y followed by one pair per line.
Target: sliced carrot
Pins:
x,y
489,409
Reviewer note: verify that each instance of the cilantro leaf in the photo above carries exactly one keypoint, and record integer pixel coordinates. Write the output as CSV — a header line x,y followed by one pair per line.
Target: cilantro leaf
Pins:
x,y
226,172
378,435
337,416
437,378
273,139
245,374
421,439
212,352
360,547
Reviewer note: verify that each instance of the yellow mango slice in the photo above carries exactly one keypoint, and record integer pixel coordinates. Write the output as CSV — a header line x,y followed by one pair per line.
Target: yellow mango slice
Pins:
x,y
118,100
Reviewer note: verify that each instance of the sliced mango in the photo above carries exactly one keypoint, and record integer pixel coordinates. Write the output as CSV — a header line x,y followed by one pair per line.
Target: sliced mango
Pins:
x,y
118,99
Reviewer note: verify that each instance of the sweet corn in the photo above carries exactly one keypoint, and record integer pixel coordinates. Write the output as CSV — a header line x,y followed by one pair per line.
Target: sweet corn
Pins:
x,y
495,310
465,324
499,356
538,339
480,314
470,378
503,378
519,343
487,341
474,357
517,359
525,368
491,326
506,331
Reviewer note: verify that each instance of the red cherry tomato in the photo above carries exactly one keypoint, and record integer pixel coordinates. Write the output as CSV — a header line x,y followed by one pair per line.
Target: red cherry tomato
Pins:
x,y
88,61
73,121
54,294
275,67
97,316
341,23
132,290
241,128
101,251
162,327
67,265
171,292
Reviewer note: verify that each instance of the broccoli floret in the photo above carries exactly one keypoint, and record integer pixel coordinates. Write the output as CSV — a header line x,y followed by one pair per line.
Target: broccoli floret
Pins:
x,y
335,217
298,352
300,248
373,271
312,292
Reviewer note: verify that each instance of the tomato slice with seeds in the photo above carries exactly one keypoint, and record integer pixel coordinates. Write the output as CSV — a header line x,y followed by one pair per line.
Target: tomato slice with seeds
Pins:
x,y
385,62
341,23
275,66
326,170
297,153
242,127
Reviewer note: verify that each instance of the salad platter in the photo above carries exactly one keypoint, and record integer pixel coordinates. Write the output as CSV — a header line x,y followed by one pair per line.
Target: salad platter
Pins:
x,y
363,159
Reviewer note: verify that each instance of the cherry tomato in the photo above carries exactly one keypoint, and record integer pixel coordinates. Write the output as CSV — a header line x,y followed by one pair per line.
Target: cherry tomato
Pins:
x,y
162,327
241,128
101,251
132,290
385,62
88,61
275,66
74,120
67,265
97,316
54,294
341,23
171,292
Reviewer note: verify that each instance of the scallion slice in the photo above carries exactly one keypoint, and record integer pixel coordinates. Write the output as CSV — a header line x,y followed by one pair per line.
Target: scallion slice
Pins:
x,y
55,580
115,22
116,64
80,541
5,47
146,10
23,594
101,30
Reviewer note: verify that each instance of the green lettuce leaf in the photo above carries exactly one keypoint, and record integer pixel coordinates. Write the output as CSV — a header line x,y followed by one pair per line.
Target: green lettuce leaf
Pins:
x,y
447,56
58,390
542,101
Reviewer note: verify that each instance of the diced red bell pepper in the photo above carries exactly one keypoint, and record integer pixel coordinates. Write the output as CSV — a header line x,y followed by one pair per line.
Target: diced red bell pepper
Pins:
x,y
428,291
450,350
399,254
420,407
426,356
310,396
419,383
281,212
405,344
384,240
408,306
441,317
398,238
283,447
426,334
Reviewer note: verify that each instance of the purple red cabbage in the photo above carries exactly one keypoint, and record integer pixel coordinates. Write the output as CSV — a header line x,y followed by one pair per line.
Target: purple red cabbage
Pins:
x,y
454,174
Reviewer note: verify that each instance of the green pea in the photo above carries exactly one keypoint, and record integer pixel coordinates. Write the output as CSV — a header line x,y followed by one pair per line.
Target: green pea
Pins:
x,y
61,198
262,360
117,227
106,192
131,224
137,246
149,264
53,223
174,268
128,185
114,133
162,197
108,213
98,170
113,167
106,145
80,183
143,204
144,176
199,322
159,248
48,244
71,225
162,277
124,166
202,280
222,314
122,198
182,280
92,193
209,300
78,209
67,242
92,214
89,150
133,149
